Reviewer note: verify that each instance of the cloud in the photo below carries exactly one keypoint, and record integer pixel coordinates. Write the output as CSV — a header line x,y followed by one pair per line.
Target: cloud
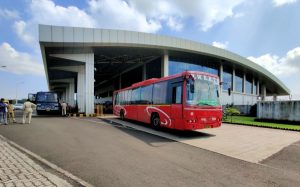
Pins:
x,y
137,15
9,14
205,13
281,66
121,15
278,3
287,68
20,29
46,12
19,62
221,45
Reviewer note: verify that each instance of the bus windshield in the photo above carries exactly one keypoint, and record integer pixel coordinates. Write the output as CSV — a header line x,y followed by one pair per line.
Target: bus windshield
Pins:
x,y
202,91
48,97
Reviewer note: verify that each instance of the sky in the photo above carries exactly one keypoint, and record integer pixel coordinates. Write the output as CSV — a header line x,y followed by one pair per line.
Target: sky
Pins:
x,y
264,31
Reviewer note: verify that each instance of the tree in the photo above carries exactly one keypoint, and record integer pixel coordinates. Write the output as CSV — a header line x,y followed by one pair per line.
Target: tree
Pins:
x,y
231,111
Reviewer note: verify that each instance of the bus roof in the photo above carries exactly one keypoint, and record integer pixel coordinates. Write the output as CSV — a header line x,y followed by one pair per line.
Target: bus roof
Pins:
x,y
155,80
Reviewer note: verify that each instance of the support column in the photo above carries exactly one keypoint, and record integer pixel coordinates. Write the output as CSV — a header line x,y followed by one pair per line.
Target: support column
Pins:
x,y
264,92
63,96
258,88
221,77
67,94
89,83
244,83
253,84
70,89
85,79
71,100
165,66
233,79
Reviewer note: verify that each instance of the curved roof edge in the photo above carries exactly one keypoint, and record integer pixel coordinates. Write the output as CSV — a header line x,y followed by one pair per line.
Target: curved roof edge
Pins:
x,y
56,35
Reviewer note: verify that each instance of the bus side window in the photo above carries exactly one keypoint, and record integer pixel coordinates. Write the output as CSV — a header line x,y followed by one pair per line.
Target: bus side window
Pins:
x,y
177,95
117,100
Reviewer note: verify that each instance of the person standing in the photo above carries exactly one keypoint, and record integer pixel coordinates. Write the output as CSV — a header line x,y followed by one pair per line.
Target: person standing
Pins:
x,y
11,113
64,108
27,110
3,109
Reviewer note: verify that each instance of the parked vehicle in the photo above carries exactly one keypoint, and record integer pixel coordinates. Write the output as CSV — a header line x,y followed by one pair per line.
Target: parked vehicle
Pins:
x,y
107,107
18,106
185,101
47,103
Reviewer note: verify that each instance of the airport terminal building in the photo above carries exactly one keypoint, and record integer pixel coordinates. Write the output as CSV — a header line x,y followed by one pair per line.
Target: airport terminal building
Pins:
x,y
83,64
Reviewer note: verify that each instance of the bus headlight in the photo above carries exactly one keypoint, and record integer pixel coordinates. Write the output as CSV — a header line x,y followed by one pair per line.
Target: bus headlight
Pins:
x,y
192,121
203,120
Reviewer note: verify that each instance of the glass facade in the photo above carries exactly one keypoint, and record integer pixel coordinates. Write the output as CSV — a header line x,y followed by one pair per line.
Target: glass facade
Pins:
x,y
178,67
227,78
255,88
249,84
238,82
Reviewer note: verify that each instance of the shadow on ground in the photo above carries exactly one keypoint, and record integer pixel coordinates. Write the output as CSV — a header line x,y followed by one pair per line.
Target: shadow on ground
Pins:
x,y
143,134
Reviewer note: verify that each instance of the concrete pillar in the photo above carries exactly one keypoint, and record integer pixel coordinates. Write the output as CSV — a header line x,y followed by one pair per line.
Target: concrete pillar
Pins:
x,y
67,93
244,83
258,88
233,79
63,96
264,93
85,79
89,83
70,89
221,77
71,100
165,66
253,84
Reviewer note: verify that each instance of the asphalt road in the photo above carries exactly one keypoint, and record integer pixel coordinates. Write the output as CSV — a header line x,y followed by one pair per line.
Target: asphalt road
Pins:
x,y
107,155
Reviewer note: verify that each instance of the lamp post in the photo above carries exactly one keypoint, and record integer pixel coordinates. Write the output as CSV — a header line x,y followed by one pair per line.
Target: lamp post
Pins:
x,y
17,84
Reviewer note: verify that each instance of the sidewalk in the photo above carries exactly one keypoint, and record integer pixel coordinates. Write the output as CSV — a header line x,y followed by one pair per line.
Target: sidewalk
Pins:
x,y
17,170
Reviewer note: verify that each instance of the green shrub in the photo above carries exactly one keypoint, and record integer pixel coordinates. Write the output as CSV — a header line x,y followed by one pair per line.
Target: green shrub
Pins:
x,y
231,111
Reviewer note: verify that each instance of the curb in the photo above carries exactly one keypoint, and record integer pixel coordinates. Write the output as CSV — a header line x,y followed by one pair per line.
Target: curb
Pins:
x,y
262,126
47,163
81,115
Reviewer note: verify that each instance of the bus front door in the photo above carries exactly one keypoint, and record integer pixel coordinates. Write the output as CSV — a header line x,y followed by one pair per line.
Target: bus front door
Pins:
x,y
176,106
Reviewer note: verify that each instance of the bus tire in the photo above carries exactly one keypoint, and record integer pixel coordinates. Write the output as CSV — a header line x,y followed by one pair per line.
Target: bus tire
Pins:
x,y
122,116
155,121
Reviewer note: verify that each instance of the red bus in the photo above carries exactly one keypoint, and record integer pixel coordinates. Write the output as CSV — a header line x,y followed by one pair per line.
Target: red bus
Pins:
x,y
185,101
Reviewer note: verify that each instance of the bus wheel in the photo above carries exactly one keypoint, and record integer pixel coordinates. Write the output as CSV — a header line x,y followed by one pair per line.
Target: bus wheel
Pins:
x,y
155,121
122,117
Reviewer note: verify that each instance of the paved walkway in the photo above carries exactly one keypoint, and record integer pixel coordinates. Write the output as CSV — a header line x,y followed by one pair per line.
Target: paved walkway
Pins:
x,y
252,144
17,170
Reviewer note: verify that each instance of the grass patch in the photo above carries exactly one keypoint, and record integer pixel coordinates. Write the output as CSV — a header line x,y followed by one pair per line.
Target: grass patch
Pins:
x,y
245,120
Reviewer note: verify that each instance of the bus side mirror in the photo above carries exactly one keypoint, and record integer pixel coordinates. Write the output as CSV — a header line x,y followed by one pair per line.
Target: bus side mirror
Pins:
x,y
229,91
